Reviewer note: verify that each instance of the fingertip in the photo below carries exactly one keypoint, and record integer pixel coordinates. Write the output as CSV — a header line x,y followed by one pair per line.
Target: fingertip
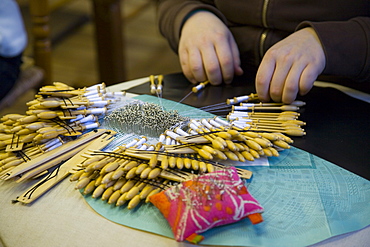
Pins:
x,y
303,93
239,71
228,82
307,88
276,97
262,88
229,79
191,79
308,77
263,98
215,82
288,100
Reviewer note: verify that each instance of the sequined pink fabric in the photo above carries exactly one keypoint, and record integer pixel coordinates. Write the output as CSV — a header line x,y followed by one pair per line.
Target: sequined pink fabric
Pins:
x,y
207,201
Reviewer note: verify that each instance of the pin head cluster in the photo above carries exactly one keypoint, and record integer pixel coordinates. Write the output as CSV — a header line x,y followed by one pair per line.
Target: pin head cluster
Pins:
x,y
144,119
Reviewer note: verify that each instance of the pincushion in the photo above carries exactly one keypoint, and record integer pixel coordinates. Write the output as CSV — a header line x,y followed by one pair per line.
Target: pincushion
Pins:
x,y
206,201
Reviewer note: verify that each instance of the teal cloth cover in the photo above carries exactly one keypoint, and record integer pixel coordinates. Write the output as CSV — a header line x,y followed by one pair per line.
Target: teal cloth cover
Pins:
x,y
306,200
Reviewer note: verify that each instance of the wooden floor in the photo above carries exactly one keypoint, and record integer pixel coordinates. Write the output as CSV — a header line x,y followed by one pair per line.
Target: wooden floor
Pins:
x,y
74,55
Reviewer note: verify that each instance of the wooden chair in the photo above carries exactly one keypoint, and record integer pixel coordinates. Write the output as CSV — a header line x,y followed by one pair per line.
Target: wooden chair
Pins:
x,y
109,39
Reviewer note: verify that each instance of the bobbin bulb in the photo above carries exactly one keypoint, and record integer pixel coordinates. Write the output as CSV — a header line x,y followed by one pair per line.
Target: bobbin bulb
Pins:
x,y
47,115
224,135
220,155
217,145
209,149
295,132
253,145
203,153
281,144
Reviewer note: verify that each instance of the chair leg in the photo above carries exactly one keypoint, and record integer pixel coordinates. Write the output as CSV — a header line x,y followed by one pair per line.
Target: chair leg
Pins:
x,y
40,15
109,38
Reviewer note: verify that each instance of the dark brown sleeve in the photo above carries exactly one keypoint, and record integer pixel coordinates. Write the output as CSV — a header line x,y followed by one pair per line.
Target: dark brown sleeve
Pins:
x,y
173,13
346,46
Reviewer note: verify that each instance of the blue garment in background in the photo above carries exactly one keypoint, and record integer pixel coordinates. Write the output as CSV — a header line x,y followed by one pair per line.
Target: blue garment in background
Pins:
x,y
13,37
13,41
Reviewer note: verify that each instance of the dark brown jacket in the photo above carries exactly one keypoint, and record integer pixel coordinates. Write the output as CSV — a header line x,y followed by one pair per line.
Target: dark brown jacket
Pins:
x,y
343,27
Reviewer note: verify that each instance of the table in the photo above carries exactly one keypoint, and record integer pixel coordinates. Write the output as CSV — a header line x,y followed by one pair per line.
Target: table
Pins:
x,y
61,218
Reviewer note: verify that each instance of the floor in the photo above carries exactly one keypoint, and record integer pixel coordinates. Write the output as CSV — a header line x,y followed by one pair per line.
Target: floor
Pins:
x,y
74,56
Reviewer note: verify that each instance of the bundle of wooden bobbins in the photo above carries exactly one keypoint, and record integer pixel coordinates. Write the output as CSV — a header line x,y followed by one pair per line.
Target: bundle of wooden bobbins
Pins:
x,y
135,171
246,112
57,113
